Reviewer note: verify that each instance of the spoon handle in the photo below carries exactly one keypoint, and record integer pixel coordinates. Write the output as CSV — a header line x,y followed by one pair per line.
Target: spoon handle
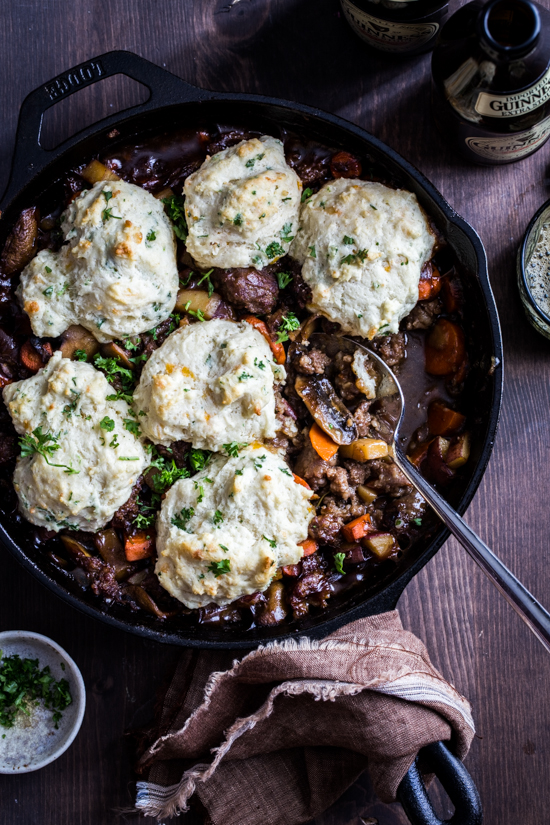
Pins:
x,y
526,606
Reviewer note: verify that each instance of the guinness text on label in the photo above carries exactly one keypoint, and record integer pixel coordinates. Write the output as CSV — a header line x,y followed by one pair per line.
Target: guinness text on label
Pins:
x,y
403,27
514,104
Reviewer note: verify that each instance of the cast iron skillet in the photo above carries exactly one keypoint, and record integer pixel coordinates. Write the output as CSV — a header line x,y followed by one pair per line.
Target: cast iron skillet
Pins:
x,y
173,102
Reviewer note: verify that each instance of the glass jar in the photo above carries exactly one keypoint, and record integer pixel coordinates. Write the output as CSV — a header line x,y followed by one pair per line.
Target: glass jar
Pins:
x,y
529,267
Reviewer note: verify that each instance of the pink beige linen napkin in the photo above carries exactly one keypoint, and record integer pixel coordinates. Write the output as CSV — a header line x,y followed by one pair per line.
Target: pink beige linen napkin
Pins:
x,y
275,737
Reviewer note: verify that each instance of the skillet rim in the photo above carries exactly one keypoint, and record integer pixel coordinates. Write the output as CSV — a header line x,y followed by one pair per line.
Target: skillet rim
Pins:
x,y
167,90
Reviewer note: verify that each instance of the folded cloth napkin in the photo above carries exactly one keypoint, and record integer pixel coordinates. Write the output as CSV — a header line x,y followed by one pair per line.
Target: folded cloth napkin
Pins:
x,y
275,737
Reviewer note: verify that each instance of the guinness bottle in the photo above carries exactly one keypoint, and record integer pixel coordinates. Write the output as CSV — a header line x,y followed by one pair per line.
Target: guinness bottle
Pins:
x,y
402,27
491,80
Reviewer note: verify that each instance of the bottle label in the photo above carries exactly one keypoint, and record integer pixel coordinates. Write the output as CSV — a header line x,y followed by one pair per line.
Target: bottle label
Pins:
x,y
387,36
517,103
502,148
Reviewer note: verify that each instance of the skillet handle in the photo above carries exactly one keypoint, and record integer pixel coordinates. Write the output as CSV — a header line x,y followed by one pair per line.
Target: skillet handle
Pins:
x,y
456,781
30,158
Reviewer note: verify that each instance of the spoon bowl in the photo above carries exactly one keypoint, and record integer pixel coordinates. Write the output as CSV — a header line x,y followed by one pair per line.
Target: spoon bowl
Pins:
x,y
521,600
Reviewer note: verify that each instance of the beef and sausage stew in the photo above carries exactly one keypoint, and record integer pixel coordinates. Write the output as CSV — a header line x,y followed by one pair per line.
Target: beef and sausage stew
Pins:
x,y
174,442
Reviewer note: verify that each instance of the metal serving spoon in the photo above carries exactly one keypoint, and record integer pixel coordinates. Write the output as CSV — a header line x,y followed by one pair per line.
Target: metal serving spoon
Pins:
x,y
526,606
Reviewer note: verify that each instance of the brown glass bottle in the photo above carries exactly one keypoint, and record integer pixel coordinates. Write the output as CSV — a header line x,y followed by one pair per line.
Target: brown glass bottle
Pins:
x,y
400,27
491,80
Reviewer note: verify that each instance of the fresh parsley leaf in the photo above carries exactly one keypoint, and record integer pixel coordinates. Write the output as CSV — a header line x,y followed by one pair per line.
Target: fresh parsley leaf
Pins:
x,y
307,193
108,213
289,323
283,279
107,424
132,427
274,250
233,448
163,472
80,355
339,562
238,219
48,292
218,568
175,208
199,459
45,444
224,548
348,240
286,237
209,284
271,542
183,519
217,518
151,236
312,252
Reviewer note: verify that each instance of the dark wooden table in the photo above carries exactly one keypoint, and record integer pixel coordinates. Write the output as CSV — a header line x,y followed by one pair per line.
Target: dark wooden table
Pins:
x,y
303,50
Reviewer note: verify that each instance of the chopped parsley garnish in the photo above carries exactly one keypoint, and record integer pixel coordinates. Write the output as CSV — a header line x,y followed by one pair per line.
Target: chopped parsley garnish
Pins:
x,y
48,269
108,212
417,521
274,250
238,472
127,457
198,459
372,206
399,522
107,424
23,684
218,568
209,284
238,219
271,542
198,313
259,364
312,252
250,163
233,448
167,472
258,462
348,240
307,193
244,375
112,368
285,471
355,258
39,442
80,355
224,548
339,562
184,518
217,518
132,427
114,442
175,208
286,237
151,236
283,279
48,292
288,324
200,488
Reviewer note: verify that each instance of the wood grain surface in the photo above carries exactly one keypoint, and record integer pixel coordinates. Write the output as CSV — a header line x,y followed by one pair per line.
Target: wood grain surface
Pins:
x,y
303,50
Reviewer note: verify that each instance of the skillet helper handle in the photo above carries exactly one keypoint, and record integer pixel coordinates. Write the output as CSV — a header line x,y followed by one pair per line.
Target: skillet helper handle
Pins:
x,y
456,781
535,616
30,158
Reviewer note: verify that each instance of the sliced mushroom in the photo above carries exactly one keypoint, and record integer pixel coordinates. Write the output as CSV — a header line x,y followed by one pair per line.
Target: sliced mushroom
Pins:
x,y
76,338
112,350
142,597
328,410
20,246
75,548
111,551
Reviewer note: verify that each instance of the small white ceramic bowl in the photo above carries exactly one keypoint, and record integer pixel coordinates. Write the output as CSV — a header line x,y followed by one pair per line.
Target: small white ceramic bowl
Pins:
x,y
29,746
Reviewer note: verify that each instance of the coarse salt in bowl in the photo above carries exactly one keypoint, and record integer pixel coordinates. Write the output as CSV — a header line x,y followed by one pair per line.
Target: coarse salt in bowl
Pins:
x,y
33,741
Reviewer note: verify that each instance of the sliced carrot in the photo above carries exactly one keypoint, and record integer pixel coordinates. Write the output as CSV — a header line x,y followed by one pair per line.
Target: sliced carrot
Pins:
x,y
444,421
322,443
356,529
276,348
419,454
309,546
140,545
445,350
452,294
301,481
430,285
30,358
